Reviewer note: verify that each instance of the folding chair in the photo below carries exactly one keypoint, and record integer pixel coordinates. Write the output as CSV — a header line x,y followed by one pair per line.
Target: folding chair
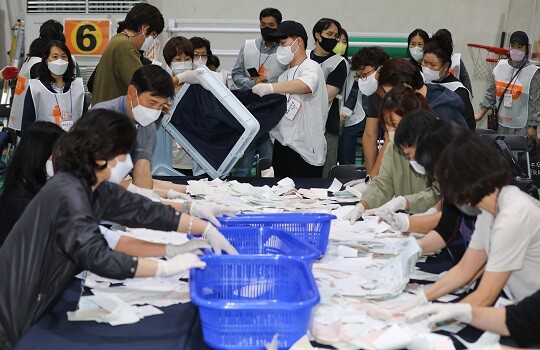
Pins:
x,y
516,143
346,171
263,164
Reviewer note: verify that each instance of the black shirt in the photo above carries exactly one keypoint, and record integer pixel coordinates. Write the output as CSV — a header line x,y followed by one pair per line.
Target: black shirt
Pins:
x,y
336,78
523,320
463,93
11,209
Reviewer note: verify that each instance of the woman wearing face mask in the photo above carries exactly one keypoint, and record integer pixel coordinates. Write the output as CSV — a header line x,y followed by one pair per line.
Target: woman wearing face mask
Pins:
x,y
398,186
415,51
515,92
121,57
56,96
505,245
436,66
178,54
27,172
326,33
58,234
447,225
201,53
457,66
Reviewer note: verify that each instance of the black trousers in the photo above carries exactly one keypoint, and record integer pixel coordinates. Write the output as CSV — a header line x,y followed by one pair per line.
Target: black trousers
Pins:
x,y
288,163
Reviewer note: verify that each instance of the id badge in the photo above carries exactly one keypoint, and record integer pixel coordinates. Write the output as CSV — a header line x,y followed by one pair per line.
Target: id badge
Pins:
x,y
66,124
293,107
507,102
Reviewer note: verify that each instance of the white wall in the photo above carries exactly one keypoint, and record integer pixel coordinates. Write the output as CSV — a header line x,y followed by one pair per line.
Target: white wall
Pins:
x,y
479,21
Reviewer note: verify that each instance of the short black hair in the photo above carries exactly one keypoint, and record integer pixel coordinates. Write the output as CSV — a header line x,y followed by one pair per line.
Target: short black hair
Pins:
x,y
140,14
213,61
433,141
27,167
100,134
177,45
344,32
199,42
43,72
50,30
398,71
271,12
469,169
412,126
323,24
153,79
373,56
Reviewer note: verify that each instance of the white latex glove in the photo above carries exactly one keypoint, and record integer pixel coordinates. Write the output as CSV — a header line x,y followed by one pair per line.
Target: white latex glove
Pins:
x,y
179,264
430,211
361,187
210,211
345,112
172,194
218,241
442,312
193,246
355,214
394,204
353,183
399,221
263,89
145,192
189,77
417,301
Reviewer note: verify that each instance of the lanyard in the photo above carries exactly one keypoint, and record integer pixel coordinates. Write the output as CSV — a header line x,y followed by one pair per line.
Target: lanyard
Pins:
x,y
71,106
289,95
267,54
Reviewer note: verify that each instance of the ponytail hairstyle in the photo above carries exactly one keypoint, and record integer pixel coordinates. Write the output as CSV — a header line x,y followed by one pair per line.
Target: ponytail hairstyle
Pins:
x,y
441,46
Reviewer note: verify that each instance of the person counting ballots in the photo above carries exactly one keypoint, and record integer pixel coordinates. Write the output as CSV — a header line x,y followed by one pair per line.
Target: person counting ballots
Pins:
x,y
58,234
299,146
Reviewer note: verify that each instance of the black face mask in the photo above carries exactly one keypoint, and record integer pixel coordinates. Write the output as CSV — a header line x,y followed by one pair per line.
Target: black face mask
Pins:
x,y
328,44
267,32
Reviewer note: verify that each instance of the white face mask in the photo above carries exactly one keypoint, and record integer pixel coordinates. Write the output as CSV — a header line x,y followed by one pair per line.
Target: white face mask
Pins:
x,y
417,53
49,169
58,66
148,41
144,115
199,62
180,67
391,135
419,168
430,74
370,85
121,169
285,54
517,55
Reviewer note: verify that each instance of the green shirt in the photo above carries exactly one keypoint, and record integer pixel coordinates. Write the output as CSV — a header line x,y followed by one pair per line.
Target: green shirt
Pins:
x,y
397,178
115,69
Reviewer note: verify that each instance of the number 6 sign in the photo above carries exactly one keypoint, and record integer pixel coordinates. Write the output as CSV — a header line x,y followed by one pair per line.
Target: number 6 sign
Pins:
x,y
87,37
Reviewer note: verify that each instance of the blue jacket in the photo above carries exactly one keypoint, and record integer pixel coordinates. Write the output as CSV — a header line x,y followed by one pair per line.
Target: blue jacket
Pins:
x,y
446,104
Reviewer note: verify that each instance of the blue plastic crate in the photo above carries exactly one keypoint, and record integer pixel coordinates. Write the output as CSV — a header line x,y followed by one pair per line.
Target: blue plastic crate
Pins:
x,y
267,240
244,300
313,228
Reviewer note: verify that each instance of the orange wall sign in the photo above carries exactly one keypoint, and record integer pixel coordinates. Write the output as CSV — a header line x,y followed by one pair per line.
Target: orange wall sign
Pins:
x,y
87,37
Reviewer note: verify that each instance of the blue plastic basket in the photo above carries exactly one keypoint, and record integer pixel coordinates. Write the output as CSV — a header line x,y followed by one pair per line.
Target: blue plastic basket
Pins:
x,y
267,240
308,227
244,300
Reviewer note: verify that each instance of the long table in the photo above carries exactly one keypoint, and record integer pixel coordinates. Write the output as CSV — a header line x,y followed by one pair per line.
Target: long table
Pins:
x,y
178,327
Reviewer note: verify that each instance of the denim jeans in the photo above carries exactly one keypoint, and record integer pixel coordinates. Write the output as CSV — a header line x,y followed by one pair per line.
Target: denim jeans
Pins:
x,y
263,146
348,142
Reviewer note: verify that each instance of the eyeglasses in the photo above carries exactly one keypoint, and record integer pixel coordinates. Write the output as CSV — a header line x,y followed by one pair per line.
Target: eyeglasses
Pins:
x,y
331,35
364,76
195,56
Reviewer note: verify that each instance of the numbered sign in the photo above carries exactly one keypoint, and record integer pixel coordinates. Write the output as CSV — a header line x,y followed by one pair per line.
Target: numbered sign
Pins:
x,y
87,37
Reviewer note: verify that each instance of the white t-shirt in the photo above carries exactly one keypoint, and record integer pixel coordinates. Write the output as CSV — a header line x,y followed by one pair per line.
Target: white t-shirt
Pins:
x,y
512,240
305,133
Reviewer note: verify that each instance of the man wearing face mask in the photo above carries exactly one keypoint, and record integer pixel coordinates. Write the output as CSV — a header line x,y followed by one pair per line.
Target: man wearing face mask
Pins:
x,y
326,33
366,63
121,57
505,245
299,147
515,93
149,91
258,56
